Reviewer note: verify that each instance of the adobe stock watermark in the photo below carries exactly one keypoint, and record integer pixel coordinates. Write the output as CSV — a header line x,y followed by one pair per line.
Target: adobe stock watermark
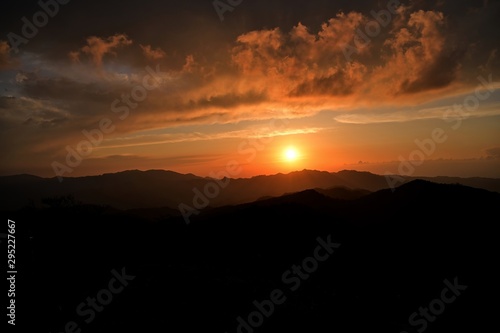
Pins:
x,y
221,7
104,297
40,19
292,279
454,115
449,294
372,29
95,136
221,180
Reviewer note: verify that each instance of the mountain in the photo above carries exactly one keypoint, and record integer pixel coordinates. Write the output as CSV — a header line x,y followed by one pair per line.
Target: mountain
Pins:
x,y
159,188
391,253
343,193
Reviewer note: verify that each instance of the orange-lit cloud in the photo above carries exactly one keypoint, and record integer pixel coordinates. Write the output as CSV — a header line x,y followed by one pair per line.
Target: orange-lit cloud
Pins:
x,y
301,64
152,54
420,60
97,47
146,140
271,73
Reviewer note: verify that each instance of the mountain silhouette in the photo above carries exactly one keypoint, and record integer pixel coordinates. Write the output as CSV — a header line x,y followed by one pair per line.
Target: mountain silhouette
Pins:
x,y
158,188
396,249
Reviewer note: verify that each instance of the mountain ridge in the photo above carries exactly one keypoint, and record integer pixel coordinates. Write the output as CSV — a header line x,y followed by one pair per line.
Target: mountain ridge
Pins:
x,y
136,189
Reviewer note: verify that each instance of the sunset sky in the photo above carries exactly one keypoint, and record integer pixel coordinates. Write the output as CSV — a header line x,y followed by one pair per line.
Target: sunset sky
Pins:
x,y
274,86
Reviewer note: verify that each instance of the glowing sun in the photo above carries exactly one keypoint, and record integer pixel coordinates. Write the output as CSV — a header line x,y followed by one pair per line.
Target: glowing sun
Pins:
x,y
291,154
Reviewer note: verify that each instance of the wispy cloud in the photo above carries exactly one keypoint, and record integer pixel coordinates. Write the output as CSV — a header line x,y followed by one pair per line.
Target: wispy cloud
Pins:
x,y
493,153
148,140
404,116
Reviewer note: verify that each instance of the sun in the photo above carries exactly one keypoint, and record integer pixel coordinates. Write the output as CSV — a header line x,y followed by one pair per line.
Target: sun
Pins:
x,y
291,154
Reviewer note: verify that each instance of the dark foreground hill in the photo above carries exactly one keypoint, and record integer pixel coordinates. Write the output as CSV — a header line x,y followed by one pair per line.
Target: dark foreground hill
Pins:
x,y
391,253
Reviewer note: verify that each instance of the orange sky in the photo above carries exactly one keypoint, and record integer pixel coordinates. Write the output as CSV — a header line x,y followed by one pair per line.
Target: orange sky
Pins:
x,y
349,86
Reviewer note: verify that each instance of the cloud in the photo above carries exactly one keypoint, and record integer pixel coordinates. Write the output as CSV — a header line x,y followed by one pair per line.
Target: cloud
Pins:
x,y
152,54
490,62
265,73
493,153
98,47
27,111
339,82
413,59
420,60
404,116
303,63
230,100
6,62
251,132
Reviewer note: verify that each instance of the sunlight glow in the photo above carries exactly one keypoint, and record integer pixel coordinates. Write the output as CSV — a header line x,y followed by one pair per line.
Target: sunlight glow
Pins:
x,y
291,154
